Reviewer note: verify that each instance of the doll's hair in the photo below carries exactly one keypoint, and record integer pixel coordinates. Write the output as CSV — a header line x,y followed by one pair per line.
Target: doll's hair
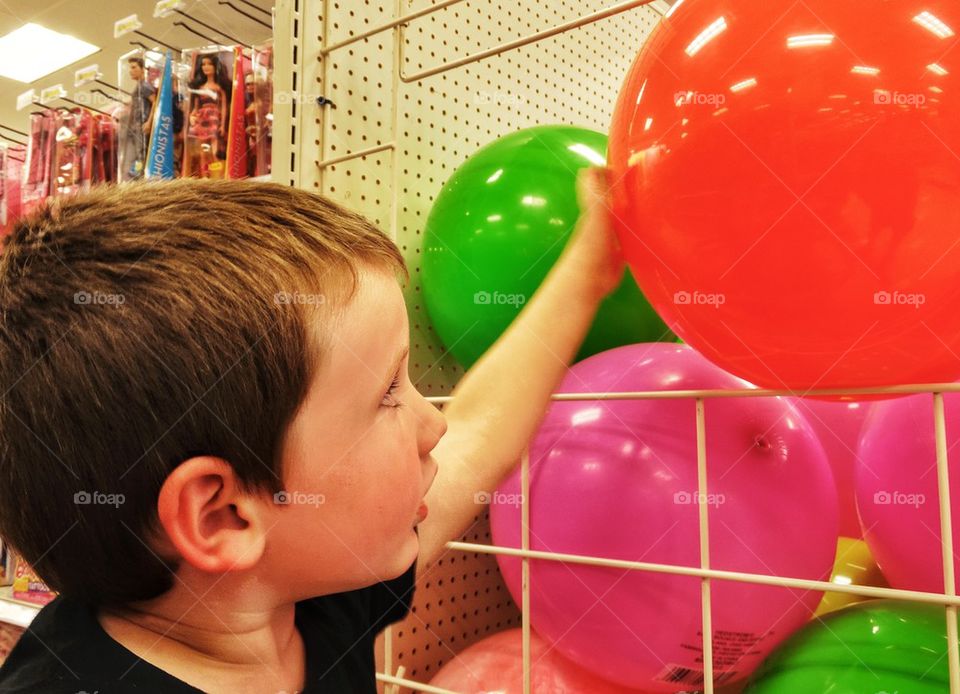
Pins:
x,y
144,324
136,59
219,72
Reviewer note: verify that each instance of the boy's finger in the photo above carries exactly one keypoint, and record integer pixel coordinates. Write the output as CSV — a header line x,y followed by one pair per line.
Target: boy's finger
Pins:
x,y
592,186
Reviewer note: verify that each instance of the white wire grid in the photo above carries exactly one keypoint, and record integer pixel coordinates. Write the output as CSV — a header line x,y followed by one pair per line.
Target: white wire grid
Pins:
x,y
397,72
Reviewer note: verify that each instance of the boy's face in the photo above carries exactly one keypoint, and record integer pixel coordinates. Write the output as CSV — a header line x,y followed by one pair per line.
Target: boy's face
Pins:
x,y
356,457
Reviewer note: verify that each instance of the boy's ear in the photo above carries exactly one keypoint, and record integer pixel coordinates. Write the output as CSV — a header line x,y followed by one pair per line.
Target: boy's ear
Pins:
x,y
212,523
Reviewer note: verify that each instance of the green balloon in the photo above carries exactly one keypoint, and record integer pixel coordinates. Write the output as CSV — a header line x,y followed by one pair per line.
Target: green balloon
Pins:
x,y
498,226
868,647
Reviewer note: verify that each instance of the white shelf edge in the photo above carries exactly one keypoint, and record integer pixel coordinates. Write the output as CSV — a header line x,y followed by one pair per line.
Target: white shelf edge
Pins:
x,y
16,612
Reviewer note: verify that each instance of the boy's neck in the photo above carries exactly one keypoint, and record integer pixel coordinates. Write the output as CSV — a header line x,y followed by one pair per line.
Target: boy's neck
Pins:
x,y
236,644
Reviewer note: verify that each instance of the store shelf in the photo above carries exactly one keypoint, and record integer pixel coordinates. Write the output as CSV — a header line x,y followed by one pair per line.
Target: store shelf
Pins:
x,y
16,612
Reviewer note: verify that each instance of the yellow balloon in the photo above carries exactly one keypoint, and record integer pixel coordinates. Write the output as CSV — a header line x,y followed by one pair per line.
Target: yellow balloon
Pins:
x,y
854,565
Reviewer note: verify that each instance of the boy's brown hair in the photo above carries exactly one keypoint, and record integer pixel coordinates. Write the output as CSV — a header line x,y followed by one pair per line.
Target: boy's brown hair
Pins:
x,y
146,323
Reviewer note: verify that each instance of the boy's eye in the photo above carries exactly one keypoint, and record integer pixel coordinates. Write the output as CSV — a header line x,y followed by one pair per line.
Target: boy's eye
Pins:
x,y
389,398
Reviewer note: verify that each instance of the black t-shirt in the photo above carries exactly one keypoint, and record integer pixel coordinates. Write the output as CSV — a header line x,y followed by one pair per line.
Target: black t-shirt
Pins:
x,y
66,651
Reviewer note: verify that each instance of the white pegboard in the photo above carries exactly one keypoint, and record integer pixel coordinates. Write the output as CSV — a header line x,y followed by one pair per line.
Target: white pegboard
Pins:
x,y
420,132
415,132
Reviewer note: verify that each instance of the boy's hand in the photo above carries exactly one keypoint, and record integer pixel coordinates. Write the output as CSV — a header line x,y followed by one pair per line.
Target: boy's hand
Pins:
x,y
594,250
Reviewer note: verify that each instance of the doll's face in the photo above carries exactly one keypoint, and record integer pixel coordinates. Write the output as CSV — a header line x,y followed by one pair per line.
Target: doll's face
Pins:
x,y
207,66
136,72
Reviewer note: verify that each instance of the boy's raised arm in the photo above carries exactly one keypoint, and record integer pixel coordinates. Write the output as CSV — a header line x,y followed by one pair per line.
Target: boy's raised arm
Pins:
x,y
501,400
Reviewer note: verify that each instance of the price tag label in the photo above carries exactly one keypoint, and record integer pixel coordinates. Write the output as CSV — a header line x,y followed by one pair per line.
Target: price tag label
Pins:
x,y
126,25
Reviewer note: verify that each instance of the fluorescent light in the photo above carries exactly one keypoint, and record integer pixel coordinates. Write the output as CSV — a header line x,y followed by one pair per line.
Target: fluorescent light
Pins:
x,y
33,51
673,8
648,124
588,153
936,90
706,36
865,70
804,40
643,88
934,25
585,416
938,69
745,84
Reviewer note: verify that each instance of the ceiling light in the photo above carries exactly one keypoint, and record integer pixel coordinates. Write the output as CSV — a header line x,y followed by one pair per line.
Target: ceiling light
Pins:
x,y
934,25
33,51
805,40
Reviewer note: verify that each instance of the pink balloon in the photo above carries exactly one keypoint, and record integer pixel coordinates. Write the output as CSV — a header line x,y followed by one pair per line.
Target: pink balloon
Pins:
x,y
496,665
897,497
619,479
838,426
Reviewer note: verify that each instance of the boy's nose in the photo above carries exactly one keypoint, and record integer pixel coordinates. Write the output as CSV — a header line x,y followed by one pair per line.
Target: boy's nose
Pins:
x,y
432,429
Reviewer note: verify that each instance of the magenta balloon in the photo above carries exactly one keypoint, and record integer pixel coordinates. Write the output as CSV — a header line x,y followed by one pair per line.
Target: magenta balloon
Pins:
x,y
897,497
619,479
495,665
838,426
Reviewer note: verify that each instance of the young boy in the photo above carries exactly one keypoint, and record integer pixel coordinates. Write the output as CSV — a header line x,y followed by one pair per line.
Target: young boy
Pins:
x,y
210,444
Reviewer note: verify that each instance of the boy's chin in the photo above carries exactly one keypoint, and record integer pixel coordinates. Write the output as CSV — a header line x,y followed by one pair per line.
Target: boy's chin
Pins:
x,y
409,551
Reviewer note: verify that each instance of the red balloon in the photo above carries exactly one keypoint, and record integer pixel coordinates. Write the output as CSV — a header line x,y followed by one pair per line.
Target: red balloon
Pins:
x,y
788,187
